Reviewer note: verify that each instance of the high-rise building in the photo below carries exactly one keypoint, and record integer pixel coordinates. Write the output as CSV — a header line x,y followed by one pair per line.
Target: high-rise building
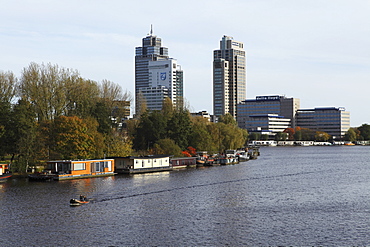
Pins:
x,y
157,76
229,76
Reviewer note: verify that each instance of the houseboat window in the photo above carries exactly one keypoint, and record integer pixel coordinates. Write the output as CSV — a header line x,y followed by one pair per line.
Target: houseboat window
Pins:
x,y
99,166
63,167
79,166
108,164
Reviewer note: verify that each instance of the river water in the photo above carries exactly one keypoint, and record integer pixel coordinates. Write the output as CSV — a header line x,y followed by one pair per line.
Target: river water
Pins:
x,y
288,196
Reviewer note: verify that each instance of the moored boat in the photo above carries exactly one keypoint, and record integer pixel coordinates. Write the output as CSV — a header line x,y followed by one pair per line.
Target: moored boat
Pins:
x,y
4,172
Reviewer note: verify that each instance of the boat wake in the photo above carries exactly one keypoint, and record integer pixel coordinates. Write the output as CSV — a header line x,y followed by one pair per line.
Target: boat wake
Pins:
x,y
201,185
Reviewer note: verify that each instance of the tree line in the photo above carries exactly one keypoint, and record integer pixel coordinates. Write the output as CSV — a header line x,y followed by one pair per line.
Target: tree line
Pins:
x,y
52,113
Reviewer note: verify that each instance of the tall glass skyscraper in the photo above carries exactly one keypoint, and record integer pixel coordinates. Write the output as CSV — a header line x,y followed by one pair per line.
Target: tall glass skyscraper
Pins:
x,y
157,76
229,76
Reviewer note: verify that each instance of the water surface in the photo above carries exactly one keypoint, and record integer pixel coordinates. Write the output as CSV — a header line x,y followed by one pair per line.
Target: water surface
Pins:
x,y
288,196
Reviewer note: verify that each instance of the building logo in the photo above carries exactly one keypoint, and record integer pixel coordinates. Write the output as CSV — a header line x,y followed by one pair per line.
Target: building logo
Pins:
x,y
163,76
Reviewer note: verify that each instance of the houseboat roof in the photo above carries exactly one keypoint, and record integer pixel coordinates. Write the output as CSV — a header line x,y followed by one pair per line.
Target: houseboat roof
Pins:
x,y
60,161
142,157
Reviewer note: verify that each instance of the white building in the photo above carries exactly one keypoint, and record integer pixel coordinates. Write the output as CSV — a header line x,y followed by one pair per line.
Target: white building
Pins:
x,y
156,76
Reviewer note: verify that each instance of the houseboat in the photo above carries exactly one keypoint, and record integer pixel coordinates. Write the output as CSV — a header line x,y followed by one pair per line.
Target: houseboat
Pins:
x,y
72,169
201,158
4,172
142,164
183,162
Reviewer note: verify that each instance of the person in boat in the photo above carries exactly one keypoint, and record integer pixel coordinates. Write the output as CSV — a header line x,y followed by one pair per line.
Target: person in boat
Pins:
x,y
82,198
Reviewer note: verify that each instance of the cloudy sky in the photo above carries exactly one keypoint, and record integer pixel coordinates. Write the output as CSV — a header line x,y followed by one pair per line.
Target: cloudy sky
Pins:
x,y
314,50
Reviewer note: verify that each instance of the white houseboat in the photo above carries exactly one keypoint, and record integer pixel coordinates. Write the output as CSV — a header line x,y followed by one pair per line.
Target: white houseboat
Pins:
x,y
142,164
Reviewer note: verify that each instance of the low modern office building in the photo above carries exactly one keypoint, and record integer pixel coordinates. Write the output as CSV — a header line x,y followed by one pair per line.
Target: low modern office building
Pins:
x,y
333,120
282,106
267,124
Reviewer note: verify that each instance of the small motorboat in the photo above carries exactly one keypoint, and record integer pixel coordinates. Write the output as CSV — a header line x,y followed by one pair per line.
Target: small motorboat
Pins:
x,y
75,202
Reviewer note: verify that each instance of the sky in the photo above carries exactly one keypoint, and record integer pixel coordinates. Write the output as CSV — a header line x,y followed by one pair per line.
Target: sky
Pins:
x,y
314,50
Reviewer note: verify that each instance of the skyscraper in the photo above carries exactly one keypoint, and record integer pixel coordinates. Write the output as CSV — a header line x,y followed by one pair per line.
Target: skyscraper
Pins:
x,y
157,76
229,76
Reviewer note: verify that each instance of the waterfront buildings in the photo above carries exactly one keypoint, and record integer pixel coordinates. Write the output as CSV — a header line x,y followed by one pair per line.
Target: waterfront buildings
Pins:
x,y
270,110
157,76
333,120
229,76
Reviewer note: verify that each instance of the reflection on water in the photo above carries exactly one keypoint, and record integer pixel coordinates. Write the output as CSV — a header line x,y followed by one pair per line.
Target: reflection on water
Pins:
x,y
289,196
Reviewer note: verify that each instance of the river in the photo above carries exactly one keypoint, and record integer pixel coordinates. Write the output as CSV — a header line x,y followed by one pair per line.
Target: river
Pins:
x,y
288,196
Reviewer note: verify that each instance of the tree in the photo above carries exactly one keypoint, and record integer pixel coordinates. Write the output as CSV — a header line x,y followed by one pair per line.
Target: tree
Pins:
x,y
365,131
71,138
45,87
167,146
322,136
290,132
151,128
350,135
102,113
232,137
8,83
227,119
254,136
179,128
281,136
200,136
82,96
24,128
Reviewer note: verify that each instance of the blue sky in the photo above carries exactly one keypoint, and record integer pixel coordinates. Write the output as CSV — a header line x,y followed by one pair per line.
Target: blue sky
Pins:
x,y
315,50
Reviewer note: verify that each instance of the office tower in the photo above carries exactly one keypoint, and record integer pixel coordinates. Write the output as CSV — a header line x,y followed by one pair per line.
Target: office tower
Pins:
x,y
333,120
229,76
157,76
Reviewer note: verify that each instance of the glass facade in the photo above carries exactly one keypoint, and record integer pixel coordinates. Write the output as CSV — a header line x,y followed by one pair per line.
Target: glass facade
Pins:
x,y
333,120
229,76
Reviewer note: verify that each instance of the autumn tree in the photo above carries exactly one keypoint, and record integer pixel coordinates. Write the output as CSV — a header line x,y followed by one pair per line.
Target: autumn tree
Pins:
x,y
71,138
81,96
45,87
8,83
322,136
290,132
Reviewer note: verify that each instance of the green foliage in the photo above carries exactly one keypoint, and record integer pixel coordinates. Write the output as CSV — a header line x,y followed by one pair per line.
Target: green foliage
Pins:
x,y
281,136
102,114
364,131
179,128
227,119
167,146
350,135
200,137
24,128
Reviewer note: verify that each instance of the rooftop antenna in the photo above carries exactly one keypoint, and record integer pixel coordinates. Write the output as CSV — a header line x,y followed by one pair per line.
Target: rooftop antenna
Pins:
x,y
151,29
